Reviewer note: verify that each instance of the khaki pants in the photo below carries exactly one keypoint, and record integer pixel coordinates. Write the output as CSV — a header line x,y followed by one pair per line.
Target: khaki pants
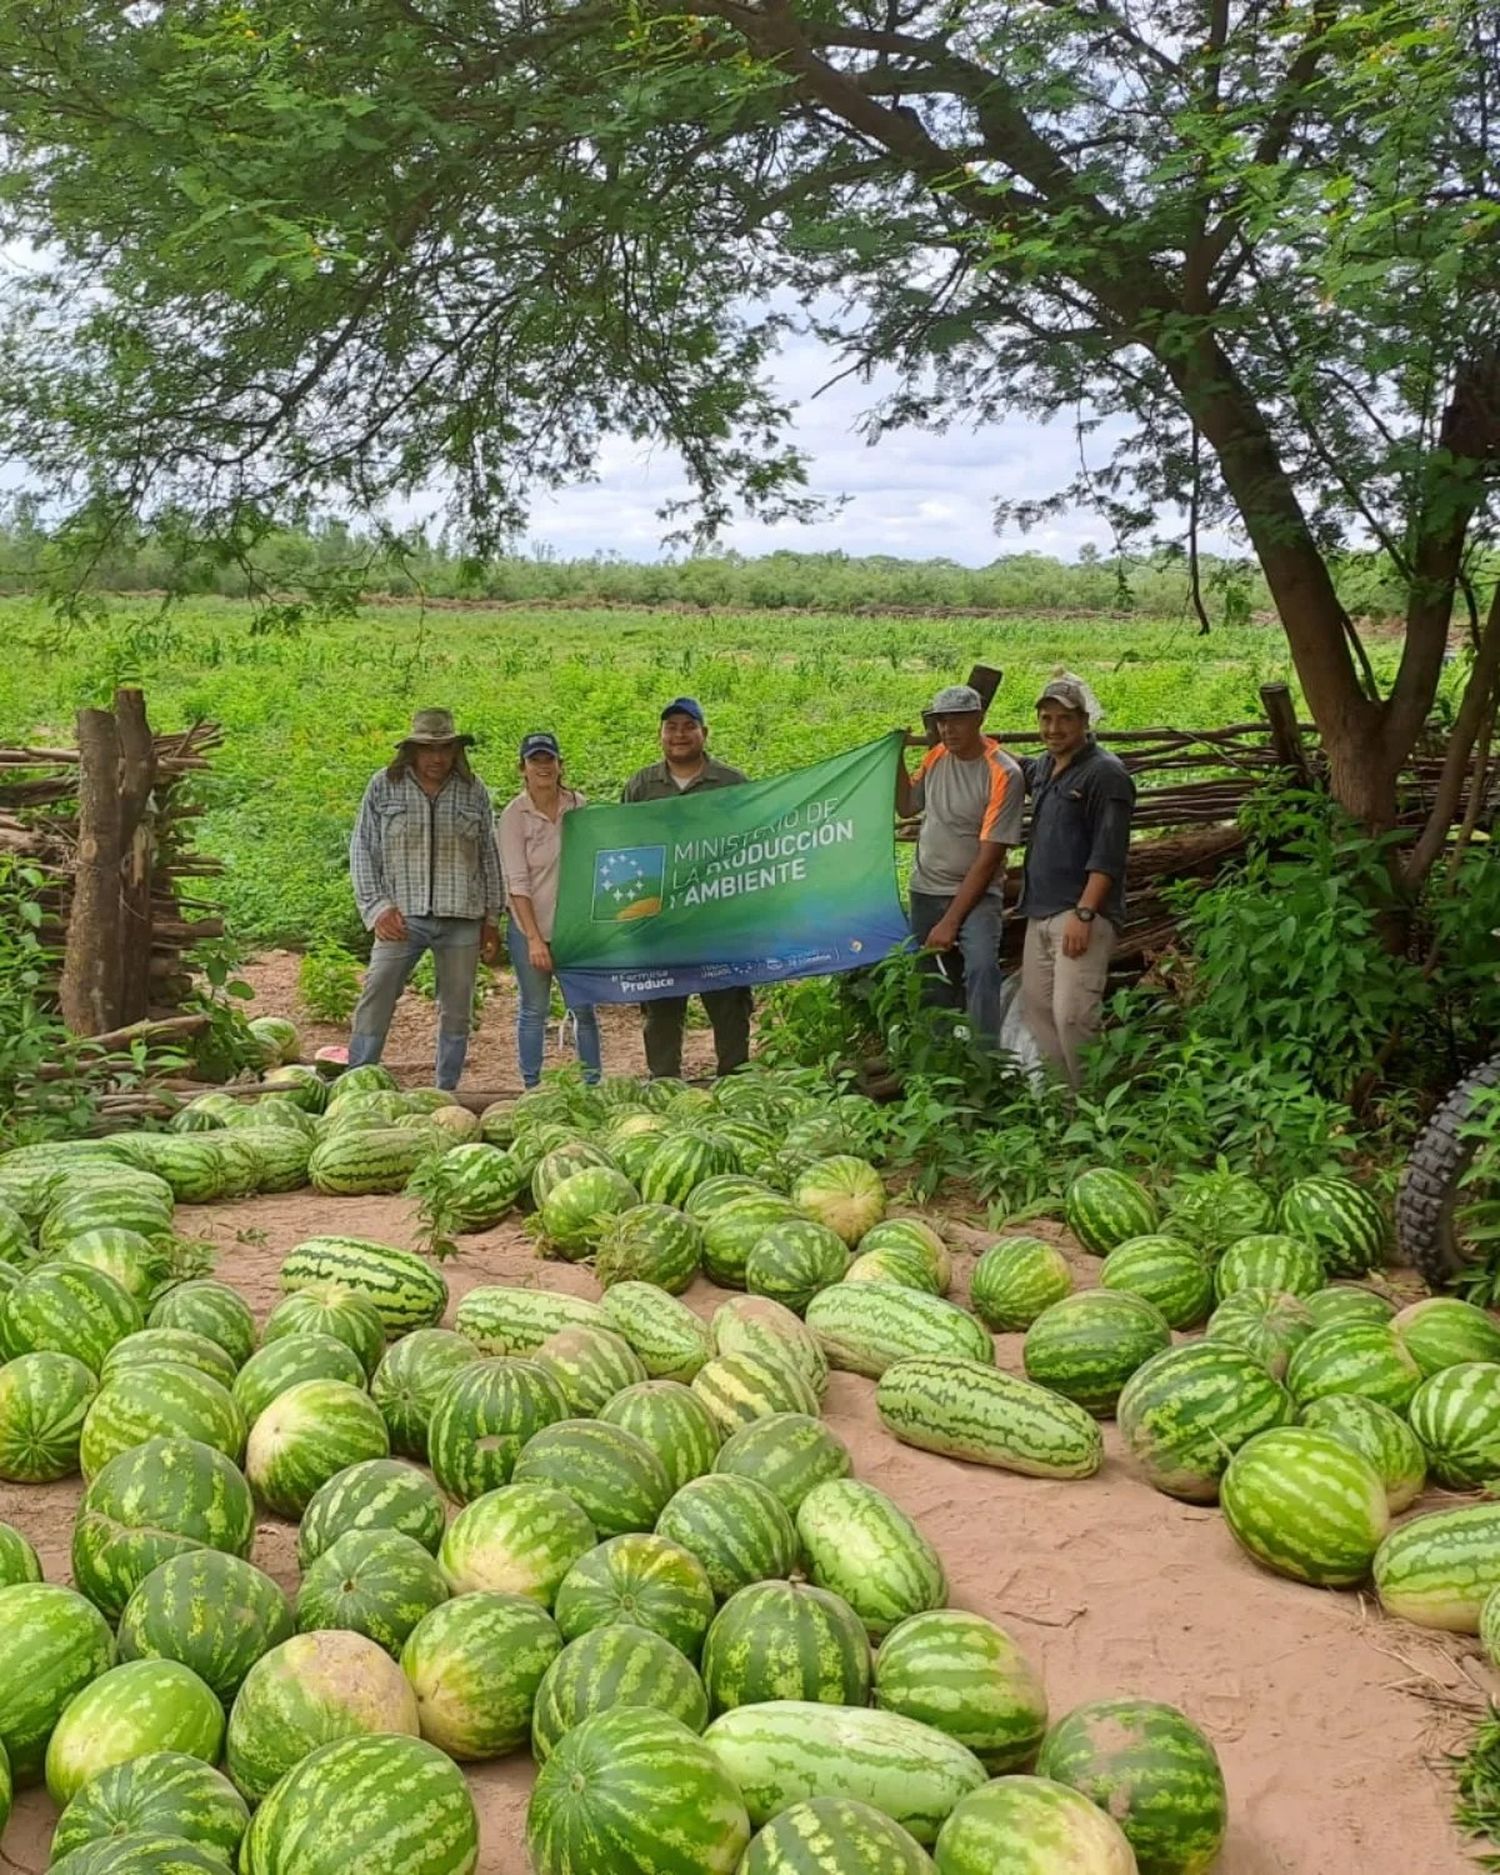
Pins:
x,y
1061,997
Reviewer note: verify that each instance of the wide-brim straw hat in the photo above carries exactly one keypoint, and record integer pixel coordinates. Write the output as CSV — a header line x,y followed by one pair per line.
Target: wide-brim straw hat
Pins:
x,y
433,729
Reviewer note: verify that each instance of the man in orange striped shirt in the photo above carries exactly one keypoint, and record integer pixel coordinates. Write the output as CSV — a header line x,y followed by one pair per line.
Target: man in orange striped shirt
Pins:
x,y
970,795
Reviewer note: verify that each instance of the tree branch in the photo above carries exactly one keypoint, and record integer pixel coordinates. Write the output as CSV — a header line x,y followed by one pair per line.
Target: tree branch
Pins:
x,y
1477,700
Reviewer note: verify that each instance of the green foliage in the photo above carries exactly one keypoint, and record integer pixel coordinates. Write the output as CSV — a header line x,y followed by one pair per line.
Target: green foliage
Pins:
x,y
1477,1772
328,982
42,1095
1476,1211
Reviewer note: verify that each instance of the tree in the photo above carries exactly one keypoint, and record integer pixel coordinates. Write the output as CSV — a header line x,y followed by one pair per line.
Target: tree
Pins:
x,y
308,248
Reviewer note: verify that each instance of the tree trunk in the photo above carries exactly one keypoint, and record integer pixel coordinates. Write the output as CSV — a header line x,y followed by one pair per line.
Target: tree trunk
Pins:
x,y
138,840
90,987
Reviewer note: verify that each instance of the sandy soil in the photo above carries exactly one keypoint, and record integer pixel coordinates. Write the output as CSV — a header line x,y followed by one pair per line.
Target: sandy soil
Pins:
x,y
1321,1710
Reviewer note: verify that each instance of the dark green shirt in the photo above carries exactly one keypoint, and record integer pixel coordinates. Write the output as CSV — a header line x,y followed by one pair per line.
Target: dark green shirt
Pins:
x,y
655,783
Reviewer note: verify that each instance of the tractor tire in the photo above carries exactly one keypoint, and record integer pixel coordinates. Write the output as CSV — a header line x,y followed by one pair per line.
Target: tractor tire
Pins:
x,y
1430,1185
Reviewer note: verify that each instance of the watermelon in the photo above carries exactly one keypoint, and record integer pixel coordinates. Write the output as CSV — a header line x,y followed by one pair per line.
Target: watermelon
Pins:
x,y
483,1418
893,1265
864,1547
757,1325
1167,1272
1088,1345
970,1410
1456,1416
732,1232
1268,1324
562,1162
341,1313
1285,1265
405,1290
301,1084
635,1792
673,1421
1031,1826
786,1640
353,1164
179,1345
195,1170
370,1079
738,1388
616,1665
214,1613
1379,1435
834,1836
863,1328
281,1157
1015,1279
135,1263
794,1260
1341,1218
1104,1207
156,1501
520,1540
116,1200
18,1560
52,1645
209,1308
409,1380
500,1320
141,1852
578,1210
16,1247
844,1193
475,1664
967,1677
643,1579
1441,1331
305,1436
1438,1570
1362,1357
477,1184
735,1528
633,1151
144,1705
377,1582
649,1243
671,1342
44,1405
1188,1410
63,1308
680,1162
788,1453
167,1402
281,1365
366,1806
1343,1303
1304,1505
911,1237
378,1494
162,1792
310,1690
1214,1209
786,1750
1489,1627
589,1366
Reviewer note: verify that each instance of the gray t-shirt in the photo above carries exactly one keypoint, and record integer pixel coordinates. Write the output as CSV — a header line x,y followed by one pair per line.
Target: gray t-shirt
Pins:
x,y
964,804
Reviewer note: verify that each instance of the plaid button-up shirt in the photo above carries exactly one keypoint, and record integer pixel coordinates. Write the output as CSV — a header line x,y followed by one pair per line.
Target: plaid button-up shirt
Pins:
x,y
427,856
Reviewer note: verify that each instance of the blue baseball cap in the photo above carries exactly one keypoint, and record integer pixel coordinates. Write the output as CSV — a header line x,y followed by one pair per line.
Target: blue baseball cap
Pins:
x,y
540,742
684,706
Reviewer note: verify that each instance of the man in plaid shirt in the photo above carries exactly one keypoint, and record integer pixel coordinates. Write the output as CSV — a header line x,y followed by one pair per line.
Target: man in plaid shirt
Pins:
x,y
426,875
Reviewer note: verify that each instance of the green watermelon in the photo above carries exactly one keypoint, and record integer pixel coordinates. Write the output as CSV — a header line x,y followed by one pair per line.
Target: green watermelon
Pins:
x,y
757,1325
520,1540
911,1237
731,1232
970,1410
1456,1416
1441,1331
354,1164
478,1184
52,1645
735,1528
893,1265
864,1547
843,1192
1379,1435
18,1560
1088,1345
562,1162
1104,1207
141,1852
1303,1504
794,1260
640,1578
209,1308
1188,1410
404,1289
16,1247
1343,1303
680,1162
1362,1357
1284,1265
378,1494
1345,1222
1268,1324
670,1340
589,1366
616,1665
673,1421
739,1388
167,1402
214,1613
577,1212
788,1453
179,1345
409,1380
863,1328
377,1582
834,1836
134,1262
64,1308
1438,1570
1170,1274
475,1664
116,1199
649,1243
44,1405
370,1079
1031,1826
1489,1627
483,1419
501,1320
305,1436
1015,1279
342,1314
786,1640
144,1705
162,1792
967,1677
281,1365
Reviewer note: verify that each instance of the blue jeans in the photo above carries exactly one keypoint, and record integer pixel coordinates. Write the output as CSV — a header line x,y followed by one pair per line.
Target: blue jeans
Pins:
x,y
454,943
977,955
534,992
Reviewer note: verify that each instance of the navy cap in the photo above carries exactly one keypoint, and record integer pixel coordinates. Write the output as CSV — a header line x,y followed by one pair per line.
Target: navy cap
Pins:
x,y
540,742
684,706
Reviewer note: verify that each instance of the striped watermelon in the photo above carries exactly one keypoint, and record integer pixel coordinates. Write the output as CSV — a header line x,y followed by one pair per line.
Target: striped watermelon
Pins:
x,y
730,1233
1268,1324
162,1792
44,1405
194,1169
62,1308
1379,1435
1104,1207
614,1478
643,1579
305,1693
281,1154
794,1260
1285,1265
788,1453
680,1162
671,1341
844,1192
1342,1303
739,1388
520,1540
1150,1768
786,1640
1015,1279
589,1366
475,1664
378,1494
166,1402
370,1079
482,1420
353,1164
757,1325
409,1379
964,1676
214,1613
911,1236
305,1436
500,1320
144,1705
650,1243
1456,1415
1489,1627
893,1265
404,1288
1341,1218
1303,1504
341,1313
478,1184
52,1645
1364,1358
579,1209
116,1200
863,1328
1438,1570
834,1836
135,1263
16,1247
561,1162
377,1582
1031,1826
151,1503
179,1345
865,1548
1088,1345
616,1665
727,1188
970,1410
734,1527
367,1806
787,1750
1441,1331
281,1365
673,1421
209,1308
18,1560
634,1792
1188,1410
1167,1272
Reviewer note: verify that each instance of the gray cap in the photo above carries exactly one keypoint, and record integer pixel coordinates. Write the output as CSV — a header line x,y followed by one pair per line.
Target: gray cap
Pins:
x,y
1065,691
433,729
957,700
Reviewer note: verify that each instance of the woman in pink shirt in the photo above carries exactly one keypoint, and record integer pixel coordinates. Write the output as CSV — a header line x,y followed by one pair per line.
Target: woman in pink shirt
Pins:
x,y
530,837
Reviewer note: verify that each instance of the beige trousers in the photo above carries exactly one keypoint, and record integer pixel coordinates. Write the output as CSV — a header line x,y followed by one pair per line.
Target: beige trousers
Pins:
x,y
1062,997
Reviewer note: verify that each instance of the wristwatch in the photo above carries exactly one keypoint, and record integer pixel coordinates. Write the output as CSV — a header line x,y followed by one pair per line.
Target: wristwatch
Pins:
x,y
1083,912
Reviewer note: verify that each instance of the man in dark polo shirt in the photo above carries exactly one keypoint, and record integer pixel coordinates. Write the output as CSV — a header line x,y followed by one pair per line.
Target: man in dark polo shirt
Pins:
x,y
1073,883
685,768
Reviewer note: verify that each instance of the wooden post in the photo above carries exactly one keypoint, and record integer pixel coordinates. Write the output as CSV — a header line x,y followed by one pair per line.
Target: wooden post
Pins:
x,y
138,852
1286,736
982,677
91,976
